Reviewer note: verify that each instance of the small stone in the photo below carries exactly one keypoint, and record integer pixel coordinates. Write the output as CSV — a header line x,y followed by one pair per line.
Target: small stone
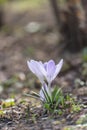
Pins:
x,y
57,122
79,83
21,76
33,27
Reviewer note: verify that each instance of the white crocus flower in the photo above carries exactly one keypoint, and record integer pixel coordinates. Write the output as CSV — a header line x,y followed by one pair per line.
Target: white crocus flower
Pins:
x,y
45,71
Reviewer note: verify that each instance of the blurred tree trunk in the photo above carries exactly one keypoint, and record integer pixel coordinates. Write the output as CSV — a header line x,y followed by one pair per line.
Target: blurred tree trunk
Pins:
x,y
56,11
73,23
70,28
1,16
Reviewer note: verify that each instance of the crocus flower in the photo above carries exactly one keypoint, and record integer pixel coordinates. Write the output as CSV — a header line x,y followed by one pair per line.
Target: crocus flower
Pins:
x,y
45,71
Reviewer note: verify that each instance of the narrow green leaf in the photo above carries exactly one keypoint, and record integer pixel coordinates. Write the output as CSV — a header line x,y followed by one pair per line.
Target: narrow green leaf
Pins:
x,y
33,96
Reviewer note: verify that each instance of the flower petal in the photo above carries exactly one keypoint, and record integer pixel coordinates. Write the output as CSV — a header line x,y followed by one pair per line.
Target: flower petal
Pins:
x,y
45,66
58,68
42,69
51,67
36,69
50,70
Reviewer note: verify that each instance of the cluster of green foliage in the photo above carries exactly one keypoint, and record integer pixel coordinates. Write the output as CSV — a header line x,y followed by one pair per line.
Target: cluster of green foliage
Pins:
x,y
58,103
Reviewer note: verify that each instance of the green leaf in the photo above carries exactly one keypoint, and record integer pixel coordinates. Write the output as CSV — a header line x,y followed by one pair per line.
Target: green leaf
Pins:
x,y
47,96
33,96
8,103
47,106
56,94
2,112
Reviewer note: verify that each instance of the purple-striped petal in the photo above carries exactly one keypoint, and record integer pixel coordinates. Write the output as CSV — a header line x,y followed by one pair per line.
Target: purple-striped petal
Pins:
x,y
50,70
58,68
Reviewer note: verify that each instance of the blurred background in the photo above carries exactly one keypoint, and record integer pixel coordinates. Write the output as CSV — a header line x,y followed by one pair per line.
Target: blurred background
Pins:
x,y
42,30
